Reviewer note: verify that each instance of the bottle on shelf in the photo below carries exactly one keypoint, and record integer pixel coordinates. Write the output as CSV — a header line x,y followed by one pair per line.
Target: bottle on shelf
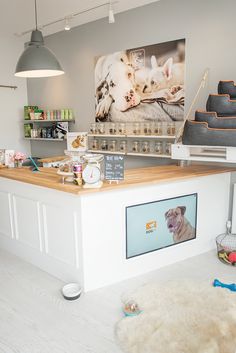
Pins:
x,y
123,146
145,147
158,147
136,147
104,145
112,129
136,129
112,146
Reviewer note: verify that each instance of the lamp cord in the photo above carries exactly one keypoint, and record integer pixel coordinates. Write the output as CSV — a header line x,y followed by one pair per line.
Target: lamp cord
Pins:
x,y
35,12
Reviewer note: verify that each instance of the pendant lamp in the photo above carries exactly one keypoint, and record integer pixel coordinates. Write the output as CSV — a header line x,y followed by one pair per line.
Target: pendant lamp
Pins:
x,y
37,60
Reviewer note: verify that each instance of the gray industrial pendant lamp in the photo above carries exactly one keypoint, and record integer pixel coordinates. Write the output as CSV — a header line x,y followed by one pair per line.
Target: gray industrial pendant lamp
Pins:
x,y
37,60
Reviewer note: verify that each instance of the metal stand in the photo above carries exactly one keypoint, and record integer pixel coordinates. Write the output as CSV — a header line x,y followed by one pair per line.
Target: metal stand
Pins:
x,y
114,181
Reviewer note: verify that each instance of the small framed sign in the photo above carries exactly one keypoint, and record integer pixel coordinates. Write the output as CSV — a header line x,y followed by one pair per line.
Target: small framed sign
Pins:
x,y
114,167
77,141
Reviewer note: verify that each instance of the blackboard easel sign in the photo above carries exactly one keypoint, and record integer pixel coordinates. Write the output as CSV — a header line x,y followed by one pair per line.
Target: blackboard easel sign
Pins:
x,y
114,168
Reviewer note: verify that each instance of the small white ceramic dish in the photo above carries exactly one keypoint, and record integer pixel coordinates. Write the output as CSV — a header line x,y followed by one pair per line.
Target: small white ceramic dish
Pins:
x,y
71,291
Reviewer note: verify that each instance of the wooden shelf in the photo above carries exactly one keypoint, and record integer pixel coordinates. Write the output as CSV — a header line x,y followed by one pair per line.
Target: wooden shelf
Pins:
x,y
149,155
43,139
47,121
107,152
157,137
132,154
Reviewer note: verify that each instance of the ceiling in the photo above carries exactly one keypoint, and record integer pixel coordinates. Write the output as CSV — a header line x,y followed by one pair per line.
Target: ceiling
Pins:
x,y
17,16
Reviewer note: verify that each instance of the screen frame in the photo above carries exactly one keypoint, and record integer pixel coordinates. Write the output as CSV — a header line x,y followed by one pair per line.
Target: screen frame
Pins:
x,y
167,246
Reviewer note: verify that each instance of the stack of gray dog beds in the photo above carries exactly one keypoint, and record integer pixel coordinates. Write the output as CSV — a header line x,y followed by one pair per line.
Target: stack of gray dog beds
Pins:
x,y
217,125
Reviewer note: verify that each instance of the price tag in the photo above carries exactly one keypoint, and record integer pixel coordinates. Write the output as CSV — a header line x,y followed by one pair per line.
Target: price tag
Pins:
x,y
114,167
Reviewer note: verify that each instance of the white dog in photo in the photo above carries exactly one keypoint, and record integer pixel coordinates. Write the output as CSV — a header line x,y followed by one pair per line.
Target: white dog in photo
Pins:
x,y
114,84
157,78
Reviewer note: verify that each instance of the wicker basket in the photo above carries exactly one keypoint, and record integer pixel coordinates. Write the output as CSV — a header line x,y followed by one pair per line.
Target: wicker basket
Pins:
x,y
226,248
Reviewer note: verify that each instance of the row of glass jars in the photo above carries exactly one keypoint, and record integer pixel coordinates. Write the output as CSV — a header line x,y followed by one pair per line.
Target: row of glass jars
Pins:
x,y
158,129
136,146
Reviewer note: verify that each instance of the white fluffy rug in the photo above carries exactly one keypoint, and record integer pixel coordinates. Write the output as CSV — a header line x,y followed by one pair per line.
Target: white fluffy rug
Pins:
x,y
181,317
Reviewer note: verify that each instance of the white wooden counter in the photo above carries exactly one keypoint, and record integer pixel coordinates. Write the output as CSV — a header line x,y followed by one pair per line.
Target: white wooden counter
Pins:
x,y
80,236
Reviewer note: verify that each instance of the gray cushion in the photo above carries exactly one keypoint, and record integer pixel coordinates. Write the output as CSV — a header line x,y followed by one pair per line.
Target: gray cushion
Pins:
x,y
221,104
227,87
197,133
215,121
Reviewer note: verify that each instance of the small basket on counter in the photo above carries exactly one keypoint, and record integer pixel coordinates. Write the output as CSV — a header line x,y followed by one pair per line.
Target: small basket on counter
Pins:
x,y
226,246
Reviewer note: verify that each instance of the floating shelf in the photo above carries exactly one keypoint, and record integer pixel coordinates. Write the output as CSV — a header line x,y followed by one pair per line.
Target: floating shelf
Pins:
x,y
157,137
107,152
47,121
132,154
149,155
220,154
43,139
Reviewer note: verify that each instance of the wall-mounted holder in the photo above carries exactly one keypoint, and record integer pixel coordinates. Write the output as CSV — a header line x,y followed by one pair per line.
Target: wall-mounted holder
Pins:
x,y
5,86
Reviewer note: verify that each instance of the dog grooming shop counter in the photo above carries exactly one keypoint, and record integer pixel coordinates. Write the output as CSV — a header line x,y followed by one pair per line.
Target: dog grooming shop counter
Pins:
x,y
80,234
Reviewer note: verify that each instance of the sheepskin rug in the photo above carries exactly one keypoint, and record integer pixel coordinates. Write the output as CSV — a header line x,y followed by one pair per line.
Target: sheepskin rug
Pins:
x,y
181,317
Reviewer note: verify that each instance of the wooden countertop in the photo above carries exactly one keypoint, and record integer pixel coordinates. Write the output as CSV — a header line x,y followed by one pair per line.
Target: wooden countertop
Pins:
x,y
48,177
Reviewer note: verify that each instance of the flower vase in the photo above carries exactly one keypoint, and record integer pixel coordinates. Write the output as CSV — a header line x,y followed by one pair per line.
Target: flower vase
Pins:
x,y
18,163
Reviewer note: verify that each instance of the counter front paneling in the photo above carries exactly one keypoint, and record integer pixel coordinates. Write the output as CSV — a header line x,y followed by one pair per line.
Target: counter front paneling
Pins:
x,y
79,234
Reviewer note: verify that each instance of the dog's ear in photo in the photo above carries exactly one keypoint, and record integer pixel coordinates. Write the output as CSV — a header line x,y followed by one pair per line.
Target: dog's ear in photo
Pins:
x,y
166,214
154,62
182,209
167,68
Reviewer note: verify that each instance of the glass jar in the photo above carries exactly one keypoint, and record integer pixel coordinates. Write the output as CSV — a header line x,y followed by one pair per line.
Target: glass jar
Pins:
x,y
158,147
171,129
145,147
121,129
101,128
112,129
112,145
136,147
95,144
158,129
104,145
147,129
93,128
136,129
123,146
168,148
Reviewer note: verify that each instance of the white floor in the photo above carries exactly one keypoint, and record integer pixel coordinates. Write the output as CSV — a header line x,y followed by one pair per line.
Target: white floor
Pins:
x,y
34,318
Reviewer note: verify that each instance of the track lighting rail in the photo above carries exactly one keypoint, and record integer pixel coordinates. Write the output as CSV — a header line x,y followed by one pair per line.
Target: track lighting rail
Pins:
x,y
71,16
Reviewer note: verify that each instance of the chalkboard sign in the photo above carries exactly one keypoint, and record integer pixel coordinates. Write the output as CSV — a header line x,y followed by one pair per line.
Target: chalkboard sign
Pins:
x,y
114,167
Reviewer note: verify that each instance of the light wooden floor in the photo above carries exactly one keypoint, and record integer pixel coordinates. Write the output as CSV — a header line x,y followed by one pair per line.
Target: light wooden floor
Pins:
x,y
34,318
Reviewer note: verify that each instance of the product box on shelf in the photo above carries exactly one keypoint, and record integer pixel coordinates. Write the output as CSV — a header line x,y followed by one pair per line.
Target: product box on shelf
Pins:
x,y
2,157
28,109
9,158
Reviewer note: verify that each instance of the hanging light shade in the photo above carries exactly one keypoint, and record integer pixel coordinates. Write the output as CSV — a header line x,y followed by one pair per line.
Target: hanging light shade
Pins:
x,y
37,60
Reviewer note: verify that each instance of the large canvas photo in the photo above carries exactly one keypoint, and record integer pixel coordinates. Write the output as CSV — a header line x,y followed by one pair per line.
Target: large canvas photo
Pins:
x,y
160,224
140,84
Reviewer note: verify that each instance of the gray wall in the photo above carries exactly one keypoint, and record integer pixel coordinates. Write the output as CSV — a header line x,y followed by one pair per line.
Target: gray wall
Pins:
x,y
207,25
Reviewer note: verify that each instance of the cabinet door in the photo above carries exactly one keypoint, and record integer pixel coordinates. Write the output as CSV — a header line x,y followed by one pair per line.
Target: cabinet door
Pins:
x,y
5,215
61,234
27,221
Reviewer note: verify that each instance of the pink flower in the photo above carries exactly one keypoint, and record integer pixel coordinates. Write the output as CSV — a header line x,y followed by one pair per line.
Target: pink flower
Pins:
x,y
19,156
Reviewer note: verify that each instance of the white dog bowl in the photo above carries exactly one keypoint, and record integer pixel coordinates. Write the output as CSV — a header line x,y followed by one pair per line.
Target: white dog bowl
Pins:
x,y
71,291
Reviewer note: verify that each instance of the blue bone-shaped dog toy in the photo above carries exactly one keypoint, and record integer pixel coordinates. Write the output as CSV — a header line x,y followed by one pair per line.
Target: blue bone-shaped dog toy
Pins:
x,y
231,286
